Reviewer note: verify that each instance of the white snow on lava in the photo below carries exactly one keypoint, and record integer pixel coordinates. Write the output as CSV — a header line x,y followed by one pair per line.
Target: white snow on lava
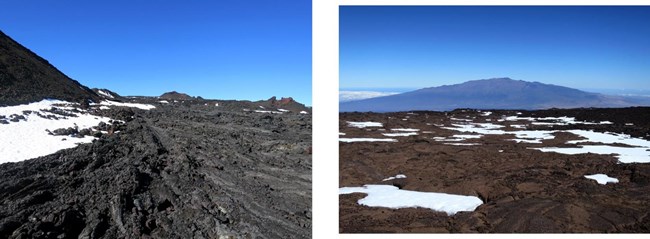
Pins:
x,y
396,176
351,140
405,130
602,178
27,139
104,93
400,134
624,154
393,197
268,111
364,124
132,105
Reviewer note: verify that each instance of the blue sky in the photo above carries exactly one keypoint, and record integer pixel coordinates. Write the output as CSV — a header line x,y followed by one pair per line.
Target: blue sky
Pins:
x,y
579,47
215,49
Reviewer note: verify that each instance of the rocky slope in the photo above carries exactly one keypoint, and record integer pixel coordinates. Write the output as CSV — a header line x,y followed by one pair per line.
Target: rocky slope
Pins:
x,y
192,170
25,77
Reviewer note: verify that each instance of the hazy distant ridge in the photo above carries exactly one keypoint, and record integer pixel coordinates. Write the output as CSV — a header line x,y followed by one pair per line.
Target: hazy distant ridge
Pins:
x,y
496,93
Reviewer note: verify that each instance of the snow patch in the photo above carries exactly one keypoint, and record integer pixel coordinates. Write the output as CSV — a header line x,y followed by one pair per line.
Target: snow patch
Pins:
x,y
400,134
405,130
364,124
393,197
396,176
104,93
602,178
624,154
268,111
462,144
351,140
132,105
27,139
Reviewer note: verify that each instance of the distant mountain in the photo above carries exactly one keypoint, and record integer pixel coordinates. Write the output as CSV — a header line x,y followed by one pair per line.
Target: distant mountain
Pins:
x,y
496,93
26,77
175,96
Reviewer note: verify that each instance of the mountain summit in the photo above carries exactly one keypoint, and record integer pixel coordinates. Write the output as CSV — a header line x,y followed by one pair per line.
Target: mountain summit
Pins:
x,y
26,77
495,93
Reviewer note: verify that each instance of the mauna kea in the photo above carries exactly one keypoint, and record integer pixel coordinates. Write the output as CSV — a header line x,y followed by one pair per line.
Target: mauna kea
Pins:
x,y
495,93
77,162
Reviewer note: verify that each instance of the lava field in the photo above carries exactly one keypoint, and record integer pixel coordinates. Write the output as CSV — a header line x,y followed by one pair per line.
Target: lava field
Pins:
x,y
497,171
184,169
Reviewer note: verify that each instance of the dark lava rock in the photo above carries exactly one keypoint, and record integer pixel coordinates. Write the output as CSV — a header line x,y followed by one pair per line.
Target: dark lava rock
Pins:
x,y
61,112
65,131
172,172
16,118
25,77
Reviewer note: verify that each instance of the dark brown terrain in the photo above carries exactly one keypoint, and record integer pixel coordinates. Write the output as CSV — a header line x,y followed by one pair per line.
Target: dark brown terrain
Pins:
x,y
523,190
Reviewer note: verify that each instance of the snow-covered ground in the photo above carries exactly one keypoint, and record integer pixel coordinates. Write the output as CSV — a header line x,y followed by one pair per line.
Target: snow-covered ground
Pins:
x,y
364,124
640,153
351,140
28,138
624,154
400,134
563,120
462,144
608,138
405,130
393,197
394,177
104,93
268,111
527,136
602,178
132,105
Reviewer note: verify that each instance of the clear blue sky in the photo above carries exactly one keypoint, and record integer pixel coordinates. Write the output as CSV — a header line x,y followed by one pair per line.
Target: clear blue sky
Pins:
x,y
227,49
579,47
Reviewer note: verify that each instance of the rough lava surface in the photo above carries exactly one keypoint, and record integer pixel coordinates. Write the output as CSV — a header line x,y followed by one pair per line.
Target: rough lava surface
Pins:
x,y
494,156
186,169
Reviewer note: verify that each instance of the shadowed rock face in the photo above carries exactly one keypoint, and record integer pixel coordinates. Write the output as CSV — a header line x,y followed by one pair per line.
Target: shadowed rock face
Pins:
x,y
25,77
177,171
497,93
